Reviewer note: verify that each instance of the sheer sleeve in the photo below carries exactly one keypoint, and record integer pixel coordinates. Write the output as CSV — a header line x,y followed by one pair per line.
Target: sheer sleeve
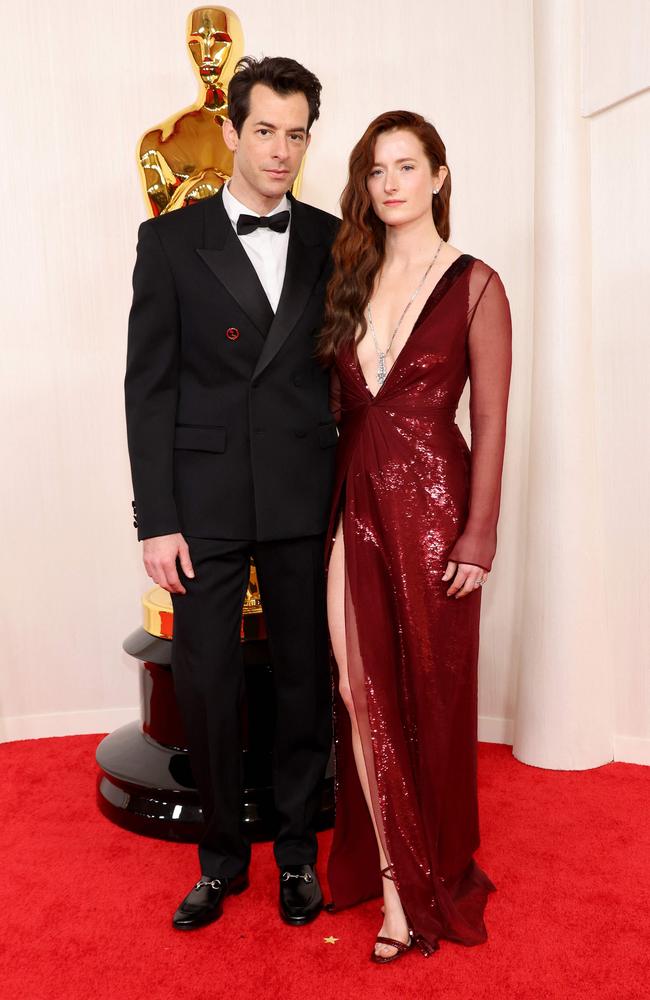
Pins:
x,y
489,364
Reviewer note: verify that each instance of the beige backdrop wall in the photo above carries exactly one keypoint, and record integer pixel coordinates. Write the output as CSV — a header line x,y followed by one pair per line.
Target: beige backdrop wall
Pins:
x,y
73,109
616,97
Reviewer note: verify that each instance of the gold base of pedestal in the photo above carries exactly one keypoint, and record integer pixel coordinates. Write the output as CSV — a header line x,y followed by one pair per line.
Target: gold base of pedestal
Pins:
x,y
158,612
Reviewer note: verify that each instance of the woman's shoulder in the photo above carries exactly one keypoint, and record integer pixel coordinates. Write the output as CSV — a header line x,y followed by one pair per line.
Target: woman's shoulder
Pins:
x,y
474,265
477,265
481,273
480,267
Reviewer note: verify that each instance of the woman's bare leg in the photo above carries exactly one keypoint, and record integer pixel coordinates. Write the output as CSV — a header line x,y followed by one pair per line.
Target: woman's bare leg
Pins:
x,y
395,925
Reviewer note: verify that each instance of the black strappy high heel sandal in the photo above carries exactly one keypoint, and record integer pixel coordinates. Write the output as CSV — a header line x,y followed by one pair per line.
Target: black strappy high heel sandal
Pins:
x,y
399,946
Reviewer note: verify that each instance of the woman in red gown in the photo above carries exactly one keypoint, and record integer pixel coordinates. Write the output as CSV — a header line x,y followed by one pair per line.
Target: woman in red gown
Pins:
x,y
409,319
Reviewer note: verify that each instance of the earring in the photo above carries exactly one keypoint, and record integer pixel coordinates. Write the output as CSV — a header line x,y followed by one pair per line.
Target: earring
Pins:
x,y
435,190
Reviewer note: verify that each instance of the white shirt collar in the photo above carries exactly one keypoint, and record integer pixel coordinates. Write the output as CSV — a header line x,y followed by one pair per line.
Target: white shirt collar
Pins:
x,y
235,208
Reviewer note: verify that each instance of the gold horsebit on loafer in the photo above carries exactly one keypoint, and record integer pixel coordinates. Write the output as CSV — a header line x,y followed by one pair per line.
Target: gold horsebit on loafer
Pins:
x,y
307,877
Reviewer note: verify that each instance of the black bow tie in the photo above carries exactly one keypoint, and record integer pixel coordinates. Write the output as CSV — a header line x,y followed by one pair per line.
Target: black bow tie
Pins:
x,y
249,223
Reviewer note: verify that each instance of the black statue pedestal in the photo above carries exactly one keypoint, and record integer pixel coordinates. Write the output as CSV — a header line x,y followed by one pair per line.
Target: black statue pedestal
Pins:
x,y
145,782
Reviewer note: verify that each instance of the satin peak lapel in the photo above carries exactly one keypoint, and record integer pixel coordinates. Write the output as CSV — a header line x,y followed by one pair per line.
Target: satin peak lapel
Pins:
x,y
229,262
305,262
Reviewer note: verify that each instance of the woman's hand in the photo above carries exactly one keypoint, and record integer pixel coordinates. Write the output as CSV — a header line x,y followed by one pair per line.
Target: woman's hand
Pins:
x,y
467,578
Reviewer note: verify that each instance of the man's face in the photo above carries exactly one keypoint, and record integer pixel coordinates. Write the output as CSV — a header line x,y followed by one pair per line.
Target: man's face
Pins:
x,y
273,141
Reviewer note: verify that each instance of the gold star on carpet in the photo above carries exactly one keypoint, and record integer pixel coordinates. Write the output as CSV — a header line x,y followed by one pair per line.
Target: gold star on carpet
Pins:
x,y
330,940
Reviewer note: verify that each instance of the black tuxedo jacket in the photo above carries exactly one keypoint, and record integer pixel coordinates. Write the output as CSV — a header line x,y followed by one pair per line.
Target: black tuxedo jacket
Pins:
x,y
229,428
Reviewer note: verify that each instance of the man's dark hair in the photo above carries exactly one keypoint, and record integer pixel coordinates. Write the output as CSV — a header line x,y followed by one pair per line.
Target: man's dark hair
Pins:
x,y
284,76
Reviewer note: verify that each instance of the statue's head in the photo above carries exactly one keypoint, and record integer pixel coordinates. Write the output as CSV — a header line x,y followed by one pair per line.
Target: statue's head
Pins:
x,y
214,37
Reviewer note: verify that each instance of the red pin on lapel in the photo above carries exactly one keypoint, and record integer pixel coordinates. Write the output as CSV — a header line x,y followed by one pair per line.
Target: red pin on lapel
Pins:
x,y
232,333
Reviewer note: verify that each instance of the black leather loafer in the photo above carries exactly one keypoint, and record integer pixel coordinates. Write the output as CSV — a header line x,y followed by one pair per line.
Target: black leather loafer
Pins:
x,y
301,899
204,904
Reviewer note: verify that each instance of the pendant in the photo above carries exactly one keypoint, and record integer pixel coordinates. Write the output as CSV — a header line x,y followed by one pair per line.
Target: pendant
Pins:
x,y
381,369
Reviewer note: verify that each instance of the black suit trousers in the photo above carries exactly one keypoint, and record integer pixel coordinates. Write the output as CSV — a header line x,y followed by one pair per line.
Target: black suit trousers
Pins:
x,y
208,679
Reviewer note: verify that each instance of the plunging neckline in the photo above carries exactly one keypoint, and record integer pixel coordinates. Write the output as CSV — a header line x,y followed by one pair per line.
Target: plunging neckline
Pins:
x,y
431,301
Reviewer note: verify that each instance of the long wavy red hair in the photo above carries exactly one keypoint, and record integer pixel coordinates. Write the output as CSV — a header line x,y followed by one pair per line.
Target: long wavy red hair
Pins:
x,y
359,248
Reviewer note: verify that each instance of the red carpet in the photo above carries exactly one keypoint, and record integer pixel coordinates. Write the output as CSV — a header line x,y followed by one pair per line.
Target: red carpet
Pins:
x,y
86,906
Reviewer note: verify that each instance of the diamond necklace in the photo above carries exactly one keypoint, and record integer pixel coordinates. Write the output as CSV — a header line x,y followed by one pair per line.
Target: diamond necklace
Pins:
x,y
381,355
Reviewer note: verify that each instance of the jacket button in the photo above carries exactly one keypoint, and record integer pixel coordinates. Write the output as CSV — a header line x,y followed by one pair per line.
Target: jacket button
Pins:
x,y
301,434
297,379
232,333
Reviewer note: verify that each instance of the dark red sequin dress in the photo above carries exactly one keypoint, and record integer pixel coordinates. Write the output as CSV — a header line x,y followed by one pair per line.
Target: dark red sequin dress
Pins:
x,y
411,497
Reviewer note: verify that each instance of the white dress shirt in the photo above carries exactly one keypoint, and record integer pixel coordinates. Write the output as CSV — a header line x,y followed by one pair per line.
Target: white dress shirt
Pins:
x,y
267,251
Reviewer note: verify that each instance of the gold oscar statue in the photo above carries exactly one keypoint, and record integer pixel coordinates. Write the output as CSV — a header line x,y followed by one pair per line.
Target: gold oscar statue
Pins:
x,y
185,158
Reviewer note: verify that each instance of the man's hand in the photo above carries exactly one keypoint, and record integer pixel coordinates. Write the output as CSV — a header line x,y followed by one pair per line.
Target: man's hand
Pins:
x,y
159,555
466,577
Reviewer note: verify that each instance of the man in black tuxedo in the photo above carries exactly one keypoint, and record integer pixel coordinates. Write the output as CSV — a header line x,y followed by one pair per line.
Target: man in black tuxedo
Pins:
x,y
232,449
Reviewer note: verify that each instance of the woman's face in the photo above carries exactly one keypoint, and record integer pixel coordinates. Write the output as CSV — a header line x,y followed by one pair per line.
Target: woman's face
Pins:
x,y
400,182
